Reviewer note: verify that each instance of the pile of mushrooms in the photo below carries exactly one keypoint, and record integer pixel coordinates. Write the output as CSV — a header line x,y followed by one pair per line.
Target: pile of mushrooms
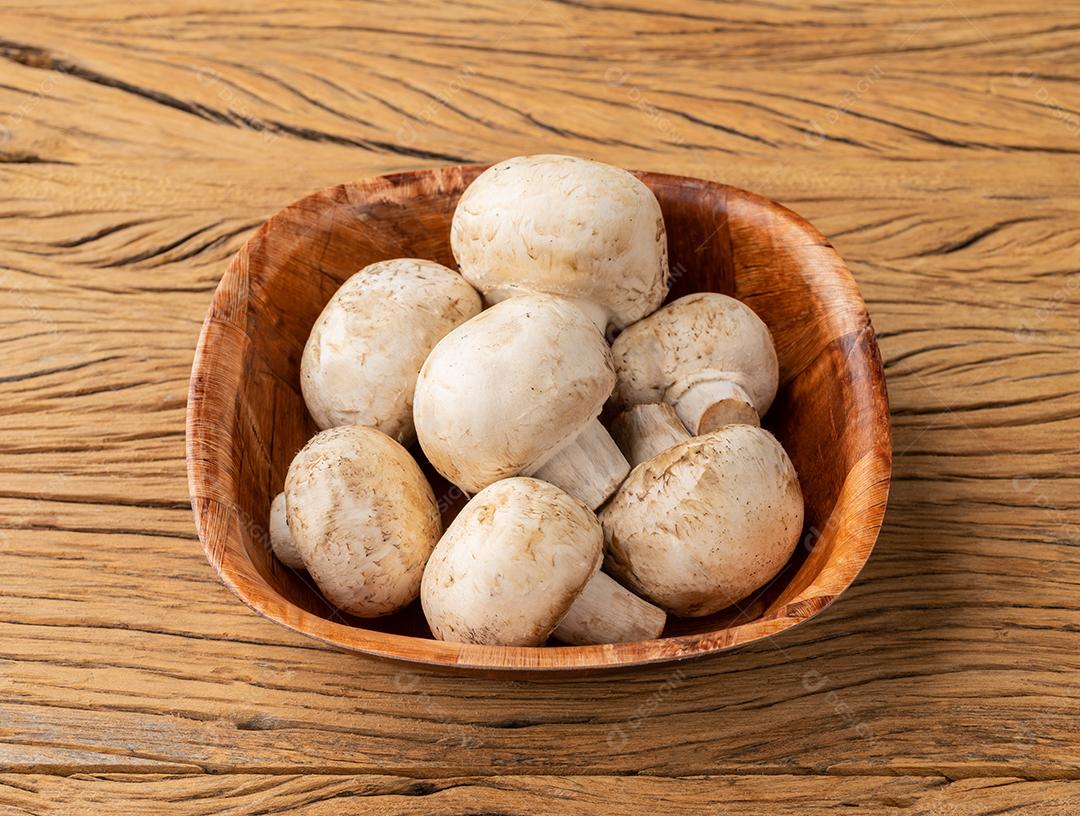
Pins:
x,y
575,530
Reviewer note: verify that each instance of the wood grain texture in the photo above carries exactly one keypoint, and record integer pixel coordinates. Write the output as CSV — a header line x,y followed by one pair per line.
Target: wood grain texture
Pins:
x,y
934,144
314,795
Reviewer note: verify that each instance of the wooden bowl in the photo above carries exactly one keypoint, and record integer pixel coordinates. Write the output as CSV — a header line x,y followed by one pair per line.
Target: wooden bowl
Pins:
x,y
246,417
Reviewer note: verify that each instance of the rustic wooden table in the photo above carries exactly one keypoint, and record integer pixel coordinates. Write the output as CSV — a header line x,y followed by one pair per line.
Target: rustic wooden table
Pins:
x,y
935,143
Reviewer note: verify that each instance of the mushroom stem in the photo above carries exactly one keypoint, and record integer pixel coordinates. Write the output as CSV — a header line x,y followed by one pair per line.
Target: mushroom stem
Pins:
x,y
607,612
281,540
590,468
643,431
704,405
595,312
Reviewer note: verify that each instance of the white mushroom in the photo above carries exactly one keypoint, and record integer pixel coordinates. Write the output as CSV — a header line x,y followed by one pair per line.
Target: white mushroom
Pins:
x,y
584,230
281,541
517,560
706,522
363,354
706,354
517,390
362,517
510,565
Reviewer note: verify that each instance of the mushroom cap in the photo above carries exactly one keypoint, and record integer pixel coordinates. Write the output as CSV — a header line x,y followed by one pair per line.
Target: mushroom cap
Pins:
x,y
506,390
706,522
363,518
363,354
511,564
694,338
281,541
565,226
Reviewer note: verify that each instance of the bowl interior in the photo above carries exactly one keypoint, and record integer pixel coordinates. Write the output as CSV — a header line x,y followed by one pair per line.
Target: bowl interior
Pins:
x,y
247,417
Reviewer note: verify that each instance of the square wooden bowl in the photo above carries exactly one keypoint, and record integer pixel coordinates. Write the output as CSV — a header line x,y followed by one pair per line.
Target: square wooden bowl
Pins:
x,y
246,417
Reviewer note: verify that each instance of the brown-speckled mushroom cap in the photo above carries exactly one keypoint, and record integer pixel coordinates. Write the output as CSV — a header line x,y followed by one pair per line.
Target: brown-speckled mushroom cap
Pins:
x,y
511,564
506,390
567,226
363,354
706,522
362,517
699,337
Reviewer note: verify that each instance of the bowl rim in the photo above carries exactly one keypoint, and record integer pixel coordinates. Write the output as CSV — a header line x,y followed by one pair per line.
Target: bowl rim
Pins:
x,y
217,523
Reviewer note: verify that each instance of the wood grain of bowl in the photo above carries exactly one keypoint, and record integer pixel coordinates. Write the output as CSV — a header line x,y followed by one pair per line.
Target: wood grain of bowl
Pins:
x,y
246,418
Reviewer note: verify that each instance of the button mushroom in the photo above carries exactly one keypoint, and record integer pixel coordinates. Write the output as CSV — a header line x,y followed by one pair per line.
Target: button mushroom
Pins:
x,y
517,560
281,541
584,230
517,390
361,359
706,522
510,565
362,517
706,354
